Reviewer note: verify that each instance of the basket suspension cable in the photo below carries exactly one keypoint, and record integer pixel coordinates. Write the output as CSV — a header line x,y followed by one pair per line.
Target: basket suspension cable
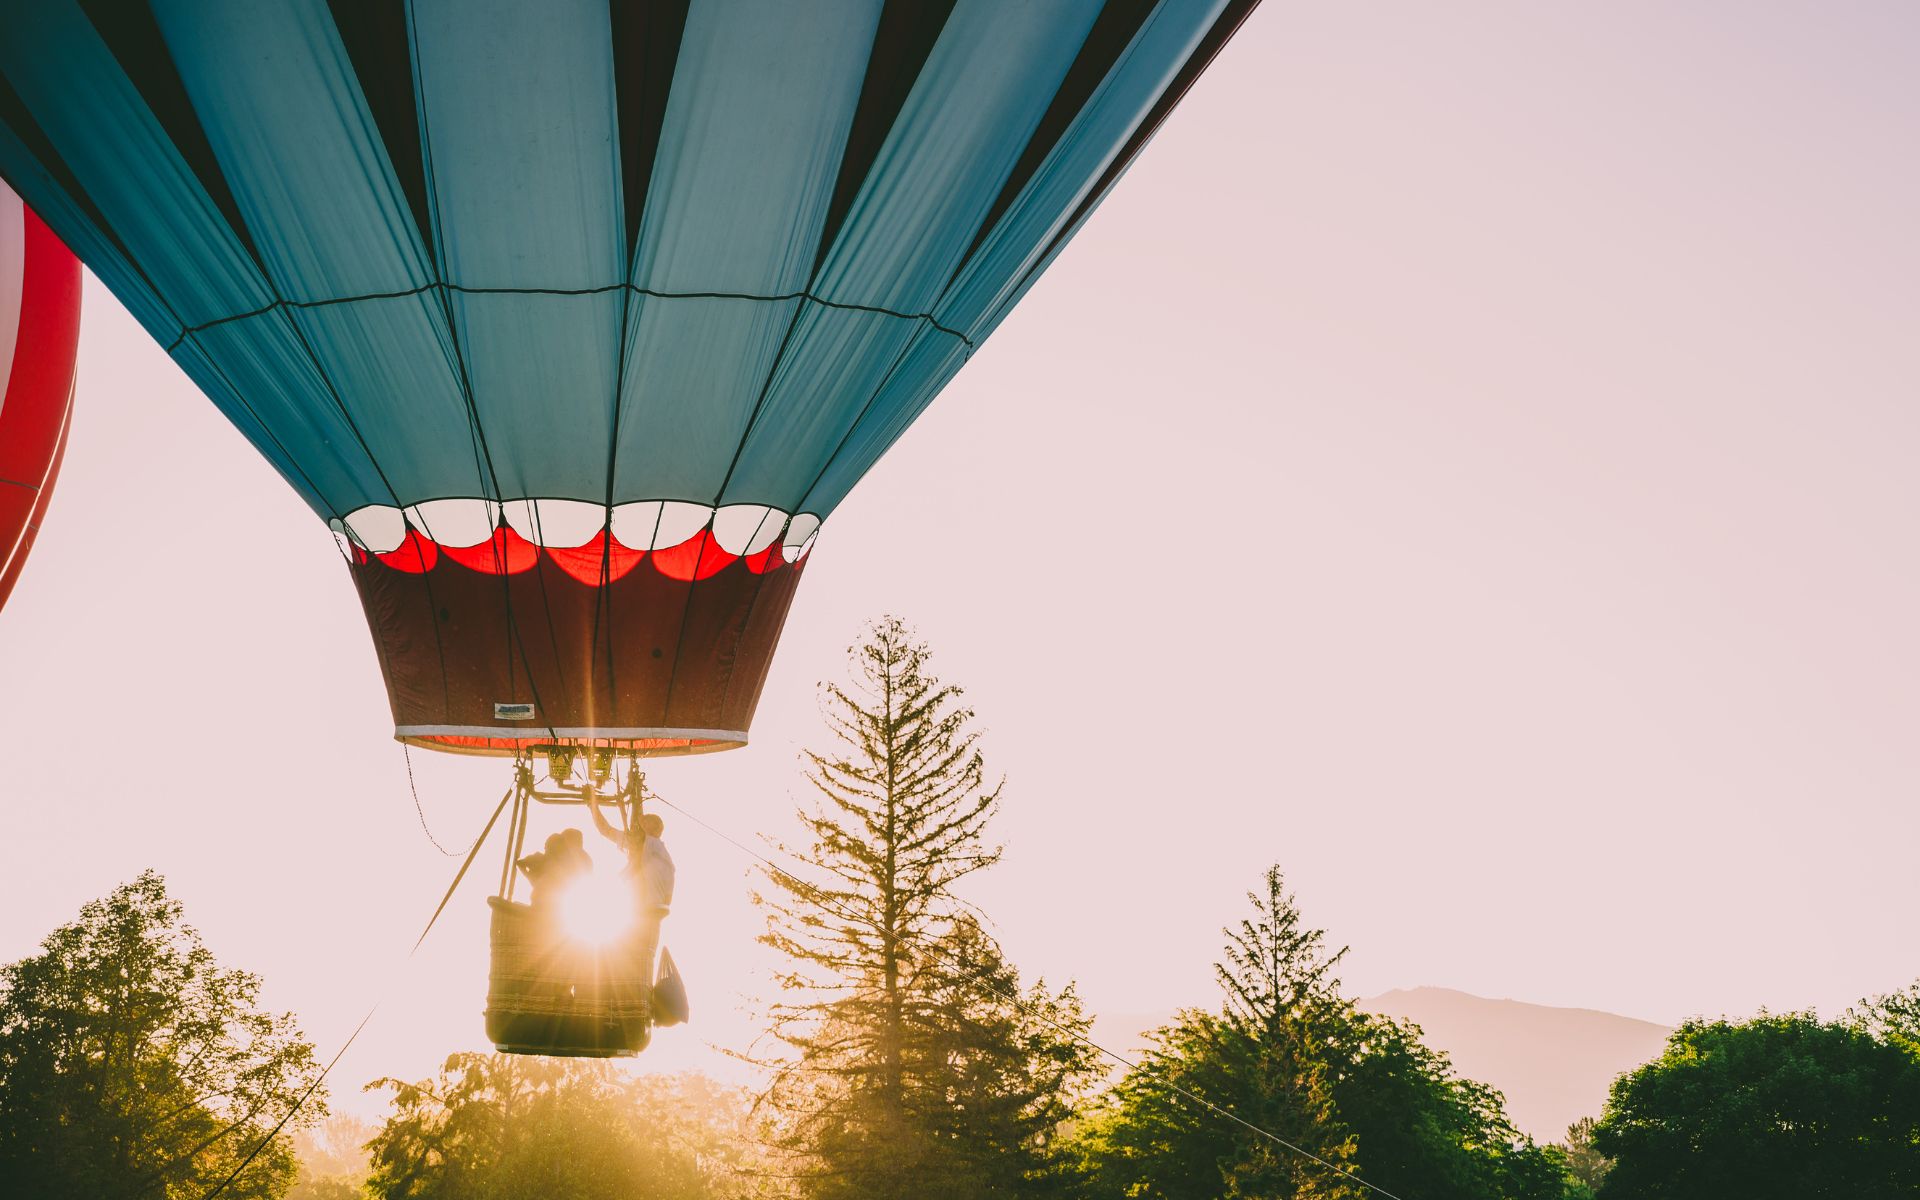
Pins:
x,y
513,815
518,847
516,826
507,865
633,796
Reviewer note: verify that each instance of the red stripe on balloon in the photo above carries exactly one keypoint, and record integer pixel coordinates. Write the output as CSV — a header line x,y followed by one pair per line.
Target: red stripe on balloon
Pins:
x,y
10,567
699,557
415,556
769,559
507,553
40,383
586,563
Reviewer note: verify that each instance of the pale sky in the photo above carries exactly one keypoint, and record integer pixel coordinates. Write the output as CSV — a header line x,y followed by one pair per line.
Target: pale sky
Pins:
x,y
1469,461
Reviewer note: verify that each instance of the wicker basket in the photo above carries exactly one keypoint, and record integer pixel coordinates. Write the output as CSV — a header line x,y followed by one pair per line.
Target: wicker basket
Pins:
x,y
548,993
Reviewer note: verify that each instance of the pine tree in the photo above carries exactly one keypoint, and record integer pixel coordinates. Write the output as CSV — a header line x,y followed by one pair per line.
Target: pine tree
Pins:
x,y
1280,990
915,1063
1352,1094
1262,1057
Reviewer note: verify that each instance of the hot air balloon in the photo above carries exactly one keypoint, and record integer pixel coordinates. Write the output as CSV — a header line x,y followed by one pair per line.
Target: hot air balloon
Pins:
x,y
39,332
575,319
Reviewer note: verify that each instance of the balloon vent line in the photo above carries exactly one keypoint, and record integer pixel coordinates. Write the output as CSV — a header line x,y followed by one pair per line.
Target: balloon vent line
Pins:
x,y
187,331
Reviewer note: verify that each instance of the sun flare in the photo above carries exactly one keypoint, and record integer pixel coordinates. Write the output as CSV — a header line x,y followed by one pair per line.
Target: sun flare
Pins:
x,y
598,908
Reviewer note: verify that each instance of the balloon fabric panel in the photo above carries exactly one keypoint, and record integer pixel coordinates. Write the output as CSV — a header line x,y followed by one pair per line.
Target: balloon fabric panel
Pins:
x,y
690,266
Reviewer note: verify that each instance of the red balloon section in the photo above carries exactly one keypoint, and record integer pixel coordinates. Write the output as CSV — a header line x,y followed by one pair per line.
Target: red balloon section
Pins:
x,y
39,333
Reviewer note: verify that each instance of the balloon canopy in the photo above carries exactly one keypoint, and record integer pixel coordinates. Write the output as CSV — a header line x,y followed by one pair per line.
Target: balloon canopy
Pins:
x,y
39,332
573,318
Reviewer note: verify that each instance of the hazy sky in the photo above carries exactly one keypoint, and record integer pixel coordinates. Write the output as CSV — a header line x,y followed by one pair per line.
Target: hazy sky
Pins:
x,y
1469,461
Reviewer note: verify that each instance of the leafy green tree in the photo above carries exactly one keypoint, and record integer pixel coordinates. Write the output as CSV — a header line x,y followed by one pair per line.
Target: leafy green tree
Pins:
x,y
504,1127
133,1065
1894,1018
1424,1131
1776,1108
914,1062
1152,1138
1354,1094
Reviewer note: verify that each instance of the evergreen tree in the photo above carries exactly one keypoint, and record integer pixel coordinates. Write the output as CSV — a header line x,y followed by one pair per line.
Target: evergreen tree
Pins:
x,y
1263,1058
916,1065
1000,1068
1353,1094
1277,976
134,1065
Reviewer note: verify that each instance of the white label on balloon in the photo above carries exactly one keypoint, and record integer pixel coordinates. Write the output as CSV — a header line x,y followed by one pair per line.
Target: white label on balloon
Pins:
x,y
503,711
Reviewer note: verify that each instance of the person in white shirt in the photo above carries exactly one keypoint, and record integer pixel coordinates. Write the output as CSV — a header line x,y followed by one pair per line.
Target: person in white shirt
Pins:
x,y
649,866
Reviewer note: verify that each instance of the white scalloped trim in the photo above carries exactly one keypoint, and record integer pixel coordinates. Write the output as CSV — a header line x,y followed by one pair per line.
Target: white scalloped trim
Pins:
x,y
560,523
340,539
800,534
377,528
459,522
747,529
741,530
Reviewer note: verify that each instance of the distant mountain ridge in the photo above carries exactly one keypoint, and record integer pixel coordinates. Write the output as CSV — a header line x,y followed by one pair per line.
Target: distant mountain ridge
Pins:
x,y
1553,1065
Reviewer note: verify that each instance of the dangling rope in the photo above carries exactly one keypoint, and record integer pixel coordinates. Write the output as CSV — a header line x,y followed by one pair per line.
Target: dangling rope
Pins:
x,y
332,1062
407,751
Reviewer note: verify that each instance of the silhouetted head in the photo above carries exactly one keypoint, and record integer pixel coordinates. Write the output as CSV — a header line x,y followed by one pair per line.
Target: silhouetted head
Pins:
x,y
651,825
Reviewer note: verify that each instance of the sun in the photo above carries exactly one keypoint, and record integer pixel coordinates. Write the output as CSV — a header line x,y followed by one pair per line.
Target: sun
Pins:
x,y
598,908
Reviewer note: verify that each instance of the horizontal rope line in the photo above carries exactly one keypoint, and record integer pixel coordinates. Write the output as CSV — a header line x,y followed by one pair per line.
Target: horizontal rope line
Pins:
x,y
20,483
190,330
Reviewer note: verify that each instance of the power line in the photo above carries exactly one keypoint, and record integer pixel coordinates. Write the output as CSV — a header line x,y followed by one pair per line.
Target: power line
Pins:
x,y
826,901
